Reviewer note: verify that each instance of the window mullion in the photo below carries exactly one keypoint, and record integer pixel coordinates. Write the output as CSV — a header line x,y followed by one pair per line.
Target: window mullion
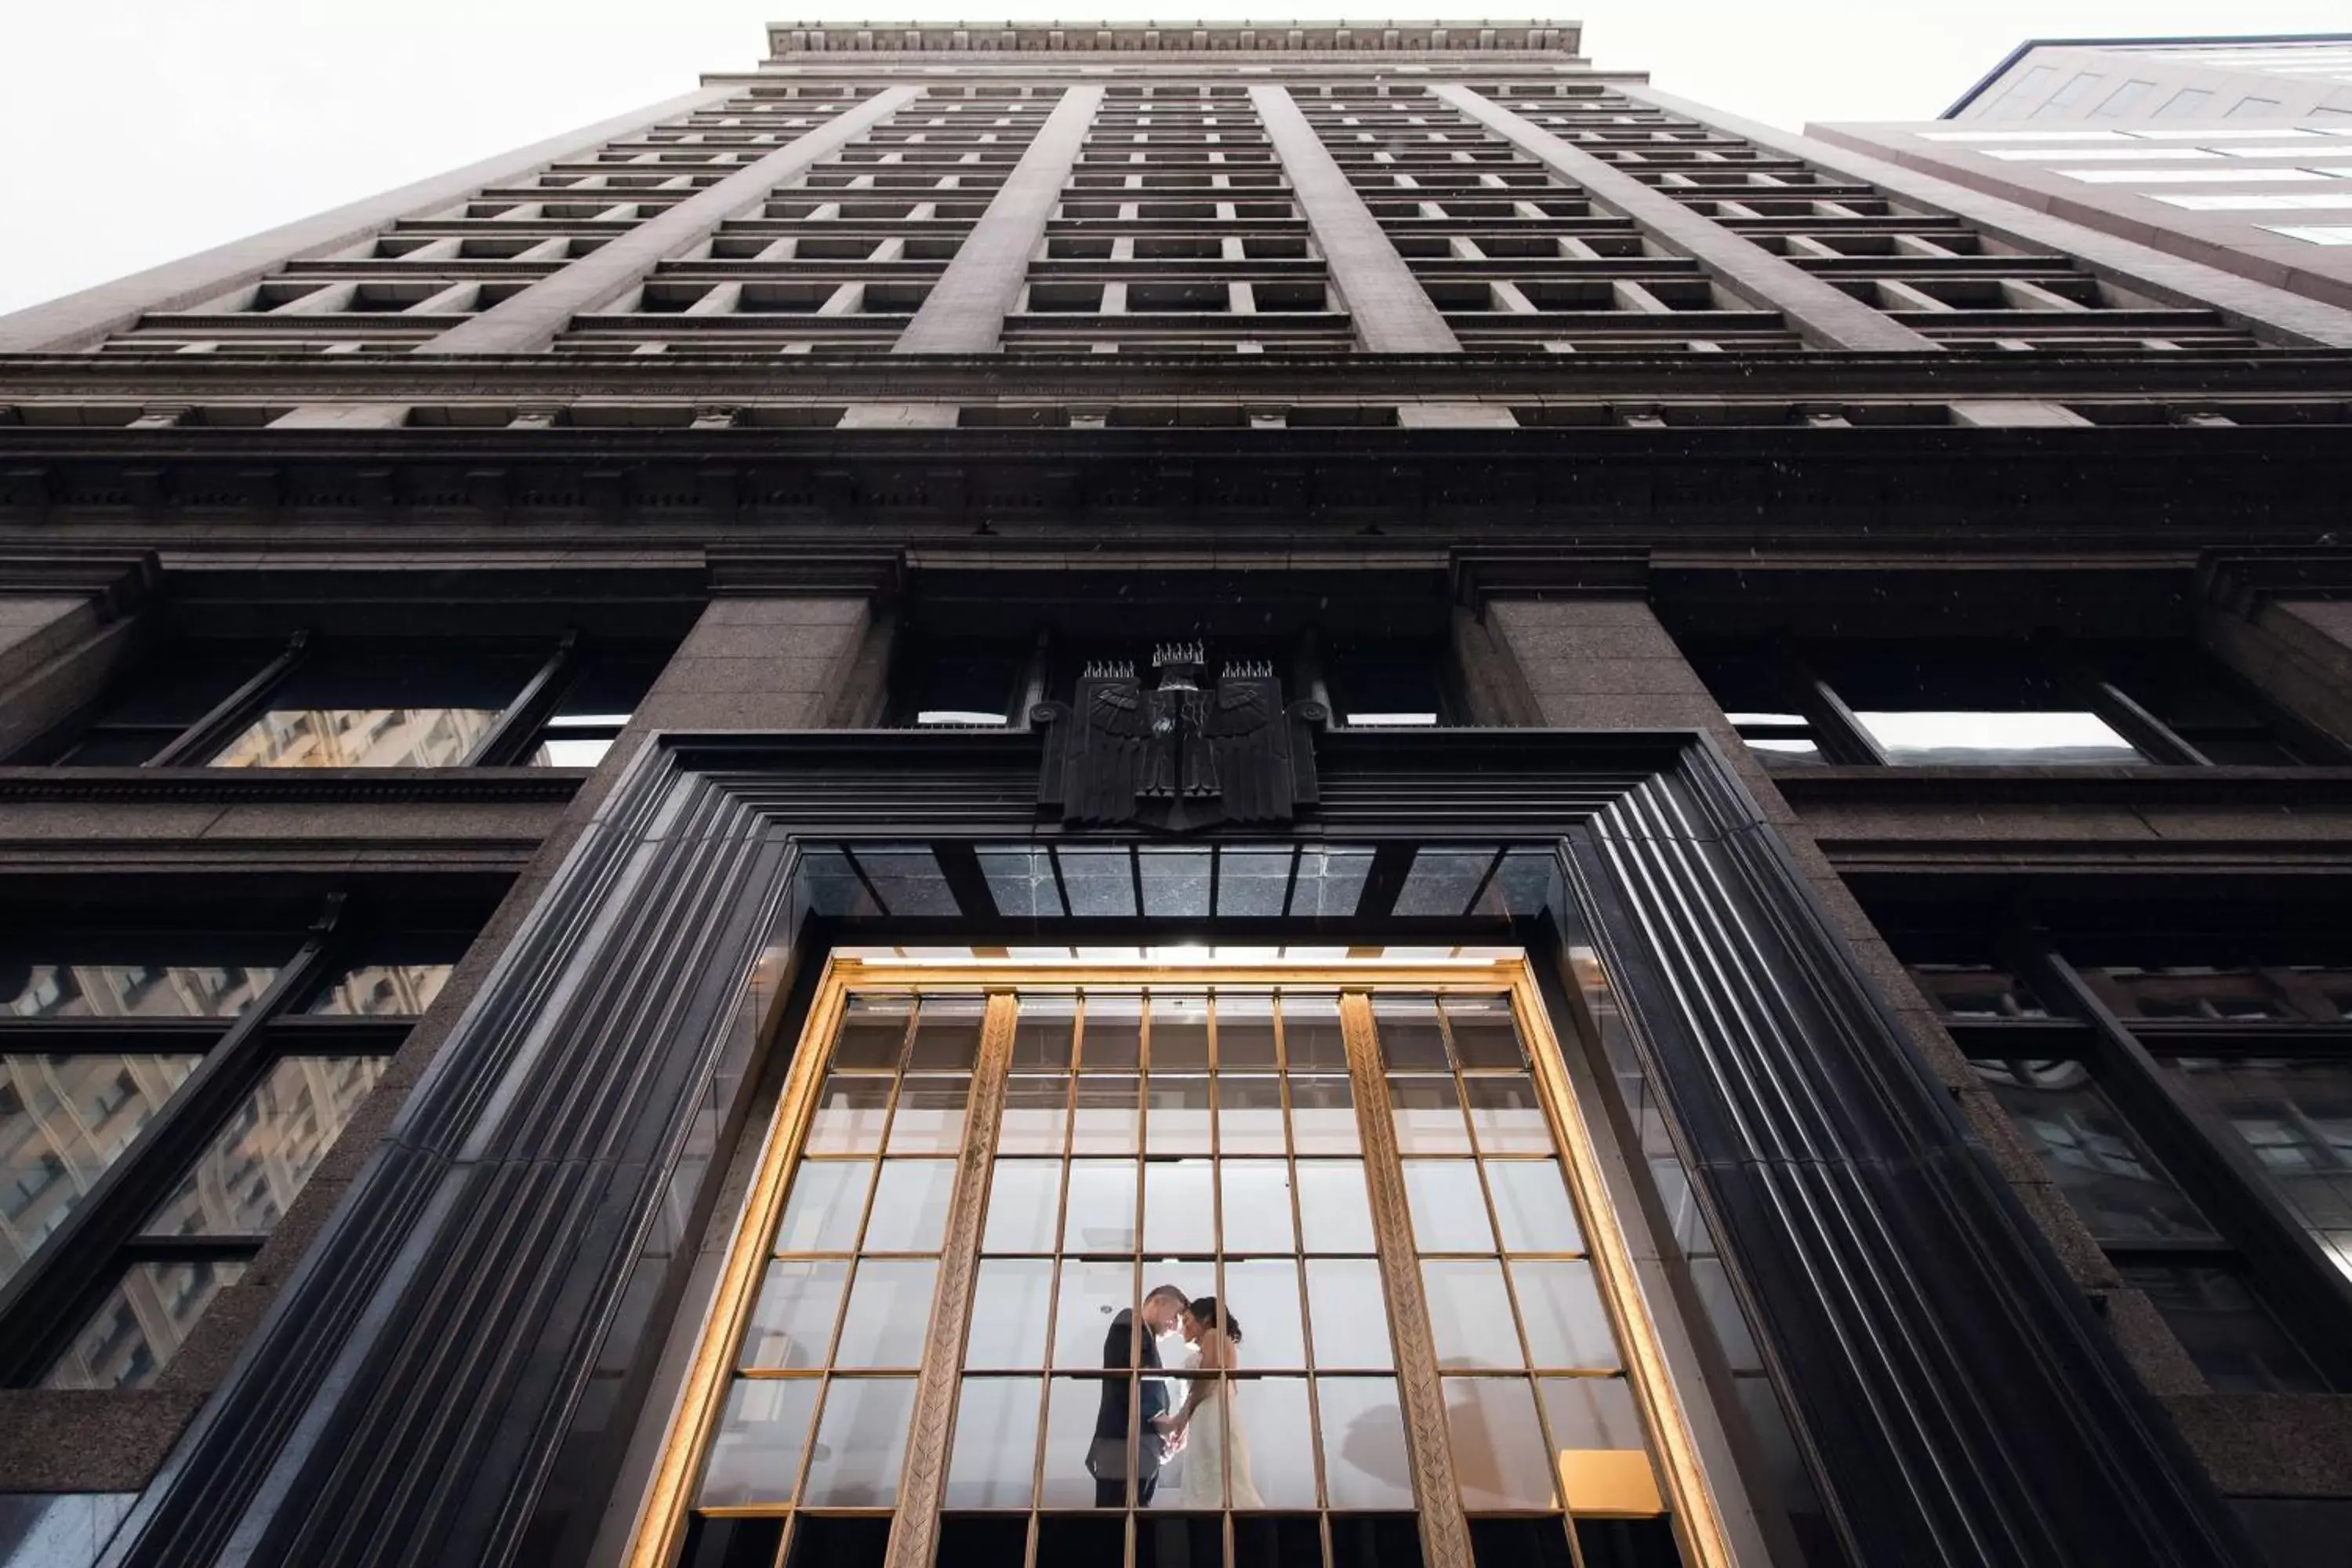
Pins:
x,y
2122,712
208,734
915,1526
514,729
1838,733
39,1307
1445,1529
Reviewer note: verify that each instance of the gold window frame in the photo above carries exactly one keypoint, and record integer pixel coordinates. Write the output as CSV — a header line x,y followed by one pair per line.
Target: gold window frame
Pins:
x,y
1688,1496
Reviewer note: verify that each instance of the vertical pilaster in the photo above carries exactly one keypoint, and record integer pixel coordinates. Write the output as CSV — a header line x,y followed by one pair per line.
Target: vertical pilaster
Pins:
x,y
1392,311
59,644
529,321
964,312
1823,315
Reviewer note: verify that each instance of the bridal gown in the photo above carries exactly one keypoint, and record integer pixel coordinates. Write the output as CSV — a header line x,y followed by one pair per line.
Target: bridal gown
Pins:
x,y
1207,1438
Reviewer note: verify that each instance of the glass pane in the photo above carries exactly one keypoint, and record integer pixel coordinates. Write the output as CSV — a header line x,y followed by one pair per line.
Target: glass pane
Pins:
x,y
383,990
756,1457
1177,1116
1090,1298
1484,1035
995,1451
1531,1204
1469,1312
1011,1301
1112,1040
1499,1455
1179,1207
1086,1433
1044,1034
873,1032
2228,1333
1274,1444
1350,1313
890,1314
930,1116
1192,1472
1262,1297
1107,1120
1180,1031
1245,1032
2122,1193
947,1034
1036,1116
1449,1211
265,1154
1364,1463
2295,1117
1323,1116
792,1321
1428,1112
1505,1116
827,1204
358,738
1604,1463
1024,1198
1982,738
1335,1213
140,1324
1249,1114
910,1205
1561,1303
1410,1038
1256,1206
1101,1215
131,990
1311,1039
849,1115
861,1443
63,1120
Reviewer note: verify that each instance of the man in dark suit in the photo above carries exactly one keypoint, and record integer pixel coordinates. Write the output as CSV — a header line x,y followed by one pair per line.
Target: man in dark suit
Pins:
x,y
1107,1459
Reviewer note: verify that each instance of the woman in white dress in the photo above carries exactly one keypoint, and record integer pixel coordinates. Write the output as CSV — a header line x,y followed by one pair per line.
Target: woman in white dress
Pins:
x,y
1215,1445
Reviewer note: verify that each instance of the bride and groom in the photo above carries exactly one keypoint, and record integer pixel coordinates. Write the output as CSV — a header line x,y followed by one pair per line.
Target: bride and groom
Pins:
x,y
1200,1428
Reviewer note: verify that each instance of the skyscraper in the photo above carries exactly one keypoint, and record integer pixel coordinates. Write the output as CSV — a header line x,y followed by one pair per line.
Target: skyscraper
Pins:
x,y
1108,794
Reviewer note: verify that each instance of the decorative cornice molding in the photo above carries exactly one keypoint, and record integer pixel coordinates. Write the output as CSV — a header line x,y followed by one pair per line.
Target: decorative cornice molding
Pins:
x,y
1554,41
2243,580
814,571
120,581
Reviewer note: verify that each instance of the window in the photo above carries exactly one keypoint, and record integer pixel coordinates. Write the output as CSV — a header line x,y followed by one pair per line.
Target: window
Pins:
x,y
2254,108
2022,702
327,702
2011,103
1392,685
2123,100
2188,100
1213,1139
131,1191
2072,96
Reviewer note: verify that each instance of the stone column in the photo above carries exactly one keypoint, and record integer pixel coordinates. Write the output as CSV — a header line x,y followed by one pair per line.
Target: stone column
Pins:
x,y
1825,316
80,320
2296,652
529,321
60,645
964,312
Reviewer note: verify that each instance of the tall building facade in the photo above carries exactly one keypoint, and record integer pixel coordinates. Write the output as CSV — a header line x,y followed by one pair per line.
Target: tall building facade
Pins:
x,y
1116,795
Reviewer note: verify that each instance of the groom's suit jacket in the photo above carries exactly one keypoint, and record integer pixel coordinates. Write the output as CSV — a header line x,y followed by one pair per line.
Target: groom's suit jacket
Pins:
x,y
1111,1421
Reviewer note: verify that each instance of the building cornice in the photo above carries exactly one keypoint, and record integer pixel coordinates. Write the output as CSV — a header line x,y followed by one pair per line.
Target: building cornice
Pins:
x,y
1555,40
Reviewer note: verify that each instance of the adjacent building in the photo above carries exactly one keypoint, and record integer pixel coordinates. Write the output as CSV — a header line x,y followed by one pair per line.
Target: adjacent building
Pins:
x,y
1142,795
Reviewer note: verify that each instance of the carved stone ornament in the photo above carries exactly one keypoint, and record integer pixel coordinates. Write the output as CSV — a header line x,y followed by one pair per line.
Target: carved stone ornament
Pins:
x,y
1181,755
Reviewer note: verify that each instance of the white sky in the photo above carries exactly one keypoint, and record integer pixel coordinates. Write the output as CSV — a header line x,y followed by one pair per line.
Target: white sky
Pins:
x,y
141,129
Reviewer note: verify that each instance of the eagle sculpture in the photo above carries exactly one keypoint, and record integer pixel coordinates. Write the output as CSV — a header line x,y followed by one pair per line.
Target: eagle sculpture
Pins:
x,y
1178,755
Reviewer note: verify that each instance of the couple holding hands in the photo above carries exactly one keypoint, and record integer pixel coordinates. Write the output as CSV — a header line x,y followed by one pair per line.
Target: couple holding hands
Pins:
x,y
1202,1429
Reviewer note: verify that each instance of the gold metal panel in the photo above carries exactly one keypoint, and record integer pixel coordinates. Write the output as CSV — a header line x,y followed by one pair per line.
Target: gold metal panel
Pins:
x,y
1609,1483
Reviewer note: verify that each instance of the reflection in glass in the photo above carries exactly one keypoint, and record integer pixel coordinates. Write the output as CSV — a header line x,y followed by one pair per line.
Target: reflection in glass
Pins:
x,y
1042,1036
827,1204
1364,1463
1531,1204
792,1321
1411,1040
1024,1198
873,1032
1036,1116
910,1205
1561,1303
1101,1214
1335,1213
1180,1032
889,1313
1590,1412
1179,1207
1469,1312
269,1149
140,1324
1090,1296
1073,1407
1256,1206
1245,1032
756,1456
1249,1114
1349,1311
1106,1120
850,1111
930,1116
358,738
1449,1211
63,1120
1177,1115
2295,1117
1499,1455
1274,1412
1484,1035
947,1034
131,990
2118,1187
1012,1304
1428,1114
1323,1116
1262,1295
995,1444
861,1443
1311,1039
1506,1114
383,990
1112,1040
